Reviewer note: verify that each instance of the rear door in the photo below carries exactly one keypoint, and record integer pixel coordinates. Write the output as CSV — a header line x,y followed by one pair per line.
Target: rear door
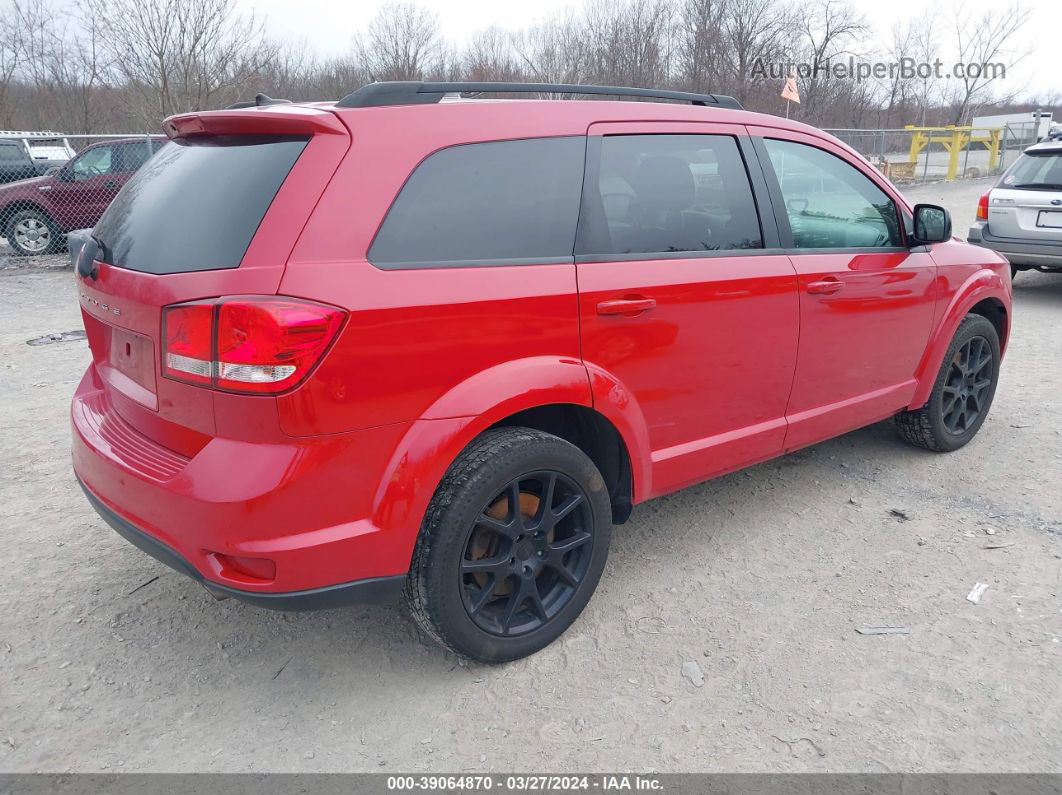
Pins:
x,y
685,298
1027,202
866,300
215,213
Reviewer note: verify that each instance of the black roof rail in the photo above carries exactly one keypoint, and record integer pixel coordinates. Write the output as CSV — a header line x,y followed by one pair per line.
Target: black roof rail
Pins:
x,y
415,92
259,101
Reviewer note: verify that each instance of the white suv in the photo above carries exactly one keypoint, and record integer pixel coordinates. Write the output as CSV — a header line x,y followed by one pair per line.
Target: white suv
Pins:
x,y
1021,217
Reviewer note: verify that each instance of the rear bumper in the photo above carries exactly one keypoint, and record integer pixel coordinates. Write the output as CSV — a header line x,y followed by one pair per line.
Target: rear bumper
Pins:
x,y
304,504
1018,252
377,590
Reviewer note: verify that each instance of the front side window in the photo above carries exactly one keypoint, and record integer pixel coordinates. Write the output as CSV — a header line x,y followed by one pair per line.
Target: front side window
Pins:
x,y
830,203
94,163
663,194
486,203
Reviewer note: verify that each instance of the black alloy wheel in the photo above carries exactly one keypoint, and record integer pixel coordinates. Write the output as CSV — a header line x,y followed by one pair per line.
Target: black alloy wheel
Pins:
x,y
966,388
526,553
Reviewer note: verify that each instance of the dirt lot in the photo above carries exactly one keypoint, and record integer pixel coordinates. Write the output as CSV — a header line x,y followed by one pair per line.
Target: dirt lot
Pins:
x,y
112,662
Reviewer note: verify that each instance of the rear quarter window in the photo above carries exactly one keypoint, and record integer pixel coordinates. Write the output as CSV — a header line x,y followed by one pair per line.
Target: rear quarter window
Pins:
x,y
196,204
486,203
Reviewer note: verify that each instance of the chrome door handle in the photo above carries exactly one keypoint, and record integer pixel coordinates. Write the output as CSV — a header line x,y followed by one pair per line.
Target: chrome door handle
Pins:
x,y
626,306
825,287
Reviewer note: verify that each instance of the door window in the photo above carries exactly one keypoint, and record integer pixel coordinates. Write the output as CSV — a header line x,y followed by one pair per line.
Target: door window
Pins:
x,y
131,156
830,203
93,163
657,194
485,203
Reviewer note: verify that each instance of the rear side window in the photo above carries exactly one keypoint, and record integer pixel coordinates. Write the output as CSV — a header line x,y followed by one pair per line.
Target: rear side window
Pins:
x,y
196,204
131,156
487,203
662,194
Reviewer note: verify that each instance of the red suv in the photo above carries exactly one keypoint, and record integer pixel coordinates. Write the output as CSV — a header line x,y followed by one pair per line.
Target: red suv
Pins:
x,y
410,342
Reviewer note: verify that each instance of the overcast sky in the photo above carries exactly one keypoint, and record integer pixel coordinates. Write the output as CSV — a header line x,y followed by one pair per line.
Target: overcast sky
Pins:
x,y
328,26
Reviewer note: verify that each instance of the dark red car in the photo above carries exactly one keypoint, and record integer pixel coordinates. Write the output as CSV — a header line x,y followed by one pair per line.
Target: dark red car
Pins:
x,y
35,213
402,343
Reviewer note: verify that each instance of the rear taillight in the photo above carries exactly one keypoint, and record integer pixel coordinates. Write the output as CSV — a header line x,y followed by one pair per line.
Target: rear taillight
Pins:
x,y
982,208
257,345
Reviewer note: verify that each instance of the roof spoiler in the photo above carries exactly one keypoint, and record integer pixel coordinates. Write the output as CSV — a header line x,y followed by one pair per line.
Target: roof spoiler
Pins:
x,y
280,118
415,92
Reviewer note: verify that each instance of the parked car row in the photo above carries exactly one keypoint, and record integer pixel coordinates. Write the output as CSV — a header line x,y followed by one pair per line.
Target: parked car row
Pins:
x,y
36,213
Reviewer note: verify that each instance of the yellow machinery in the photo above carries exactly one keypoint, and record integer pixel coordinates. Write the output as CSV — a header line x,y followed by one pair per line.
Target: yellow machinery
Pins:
x,y
955,140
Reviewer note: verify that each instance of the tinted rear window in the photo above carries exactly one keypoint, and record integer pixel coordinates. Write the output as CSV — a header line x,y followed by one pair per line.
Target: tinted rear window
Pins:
x,y
484,203
1035,171
196,204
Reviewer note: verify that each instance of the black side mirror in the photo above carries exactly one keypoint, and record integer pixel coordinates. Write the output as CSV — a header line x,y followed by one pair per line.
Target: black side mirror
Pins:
x,y
932,224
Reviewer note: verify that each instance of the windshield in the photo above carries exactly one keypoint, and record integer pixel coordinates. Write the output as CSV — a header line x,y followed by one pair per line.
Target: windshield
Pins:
x,y
1035,171
196,204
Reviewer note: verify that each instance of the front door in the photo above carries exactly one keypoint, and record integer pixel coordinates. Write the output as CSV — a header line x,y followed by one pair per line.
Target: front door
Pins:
x,y
86,185
685,299
866,300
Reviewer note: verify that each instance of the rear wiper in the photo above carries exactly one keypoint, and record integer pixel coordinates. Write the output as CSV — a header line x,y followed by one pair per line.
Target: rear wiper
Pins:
x,y
92,250
1038,186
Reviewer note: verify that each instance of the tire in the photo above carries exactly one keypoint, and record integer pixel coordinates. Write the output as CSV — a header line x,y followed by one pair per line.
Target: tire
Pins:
x,y
31,233
475,556
957,406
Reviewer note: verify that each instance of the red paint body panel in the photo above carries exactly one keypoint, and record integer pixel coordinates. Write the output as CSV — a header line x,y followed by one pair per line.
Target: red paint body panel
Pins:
x,y
735,362
709,367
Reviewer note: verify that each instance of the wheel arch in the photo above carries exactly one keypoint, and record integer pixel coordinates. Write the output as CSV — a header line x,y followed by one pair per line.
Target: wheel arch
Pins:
x,y
596,436
18,205
985,294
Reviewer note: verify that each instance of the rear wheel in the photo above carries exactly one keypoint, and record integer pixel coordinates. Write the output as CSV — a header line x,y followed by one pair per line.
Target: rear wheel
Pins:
x,y
962,393
31,232
512,546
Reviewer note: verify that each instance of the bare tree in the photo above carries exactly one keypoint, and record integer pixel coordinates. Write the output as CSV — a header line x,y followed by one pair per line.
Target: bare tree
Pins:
x,y
402,42
183,55
981,43
700,47
754,31
490,56
827,28
630,41
555,51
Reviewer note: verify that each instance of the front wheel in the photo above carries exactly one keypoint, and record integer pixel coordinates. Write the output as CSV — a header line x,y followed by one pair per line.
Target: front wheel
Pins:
x,y
512,546
962,393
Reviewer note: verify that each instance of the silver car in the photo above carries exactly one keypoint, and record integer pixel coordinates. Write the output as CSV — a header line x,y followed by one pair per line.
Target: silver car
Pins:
x,y
1021,217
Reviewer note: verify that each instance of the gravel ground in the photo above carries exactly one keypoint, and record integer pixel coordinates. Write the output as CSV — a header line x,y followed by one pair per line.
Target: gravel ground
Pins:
x,y
756,581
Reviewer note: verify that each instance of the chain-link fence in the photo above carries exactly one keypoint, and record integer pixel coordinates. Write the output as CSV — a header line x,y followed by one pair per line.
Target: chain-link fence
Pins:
x,y
74,178
927,154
